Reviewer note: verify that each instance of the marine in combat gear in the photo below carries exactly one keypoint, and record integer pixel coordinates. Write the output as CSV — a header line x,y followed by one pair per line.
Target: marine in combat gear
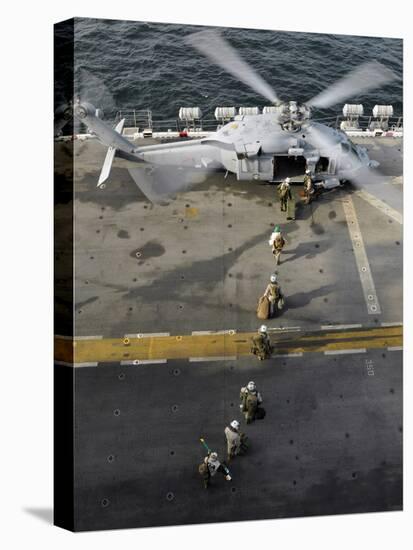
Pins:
x,y
277,243
237,442
261,346
284,192
251,403
274,296
308,187
210,466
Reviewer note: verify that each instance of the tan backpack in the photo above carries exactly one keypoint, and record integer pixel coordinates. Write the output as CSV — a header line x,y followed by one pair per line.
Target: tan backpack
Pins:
x,y
279,241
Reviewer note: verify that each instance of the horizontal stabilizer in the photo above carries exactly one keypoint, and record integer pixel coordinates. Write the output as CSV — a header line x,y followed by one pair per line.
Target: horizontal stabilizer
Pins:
x,y
110,155
107,165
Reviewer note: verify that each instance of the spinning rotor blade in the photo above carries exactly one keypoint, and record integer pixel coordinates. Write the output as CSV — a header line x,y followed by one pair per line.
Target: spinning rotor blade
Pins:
x,y
219,51
92,89
323,140
160,183
367,76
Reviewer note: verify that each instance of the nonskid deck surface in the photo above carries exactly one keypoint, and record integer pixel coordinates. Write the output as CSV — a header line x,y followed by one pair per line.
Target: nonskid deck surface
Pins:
x,y
201,262
152,280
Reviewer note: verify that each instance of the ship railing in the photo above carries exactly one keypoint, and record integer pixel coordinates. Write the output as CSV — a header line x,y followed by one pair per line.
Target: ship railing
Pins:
x,y
392,123
141,119
135,118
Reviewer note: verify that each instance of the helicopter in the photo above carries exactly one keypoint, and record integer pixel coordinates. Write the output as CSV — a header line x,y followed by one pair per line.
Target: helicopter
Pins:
x,y
249,145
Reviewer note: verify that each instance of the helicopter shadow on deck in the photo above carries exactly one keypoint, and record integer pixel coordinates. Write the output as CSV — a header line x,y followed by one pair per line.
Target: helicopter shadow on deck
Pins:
x,y
206,273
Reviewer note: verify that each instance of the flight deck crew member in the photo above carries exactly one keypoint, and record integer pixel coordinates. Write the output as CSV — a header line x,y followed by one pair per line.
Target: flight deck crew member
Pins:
x,y
285,195
261,345
277,243
251,402
274,295
210,466
308,186
233,437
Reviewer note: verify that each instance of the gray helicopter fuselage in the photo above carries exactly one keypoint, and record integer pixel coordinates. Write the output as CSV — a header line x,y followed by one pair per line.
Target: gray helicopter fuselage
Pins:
x,y
248,145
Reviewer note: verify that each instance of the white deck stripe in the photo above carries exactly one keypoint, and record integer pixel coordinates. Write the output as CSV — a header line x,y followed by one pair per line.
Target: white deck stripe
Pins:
x,y
299,354
147,335
340,327
144,362
395,348
395,324
285,329
380,205
345,351
76,365
213,358
367,283
87,338
206,332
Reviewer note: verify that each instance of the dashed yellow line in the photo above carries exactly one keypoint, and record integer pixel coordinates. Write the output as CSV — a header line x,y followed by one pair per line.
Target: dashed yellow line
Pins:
x,y
103,350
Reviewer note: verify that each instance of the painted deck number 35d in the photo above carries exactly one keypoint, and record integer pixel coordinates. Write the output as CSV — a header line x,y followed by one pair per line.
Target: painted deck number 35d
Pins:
x,y
370,367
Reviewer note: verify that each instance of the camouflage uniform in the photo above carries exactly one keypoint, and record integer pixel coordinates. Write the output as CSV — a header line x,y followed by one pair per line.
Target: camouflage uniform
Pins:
x,y
233,442
284,192
277,246
209,468
273,293
250,402
205,473
308,188
261,346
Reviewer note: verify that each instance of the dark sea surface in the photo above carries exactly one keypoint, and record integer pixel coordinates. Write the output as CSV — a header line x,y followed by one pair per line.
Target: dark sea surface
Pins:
x,y
148,65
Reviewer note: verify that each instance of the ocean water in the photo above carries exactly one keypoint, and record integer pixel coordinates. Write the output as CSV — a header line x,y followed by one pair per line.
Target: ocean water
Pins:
x,y
149,66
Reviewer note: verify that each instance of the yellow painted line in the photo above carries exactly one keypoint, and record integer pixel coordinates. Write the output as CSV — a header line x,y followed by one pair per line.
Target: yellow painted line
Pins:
x,y
103,350
191,212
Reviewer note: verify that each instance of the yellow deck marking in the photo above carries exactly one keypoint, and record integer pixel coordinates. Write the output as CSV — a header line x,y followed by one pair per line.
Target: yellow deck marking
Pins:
x,y
103,350
191,212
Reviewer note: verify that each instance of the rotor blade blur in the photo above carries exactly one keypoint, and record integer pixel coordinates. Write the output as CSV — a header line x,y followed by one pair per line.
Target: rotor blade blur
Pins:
x,y
367,76
160,183
322,139
219,51
92,89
